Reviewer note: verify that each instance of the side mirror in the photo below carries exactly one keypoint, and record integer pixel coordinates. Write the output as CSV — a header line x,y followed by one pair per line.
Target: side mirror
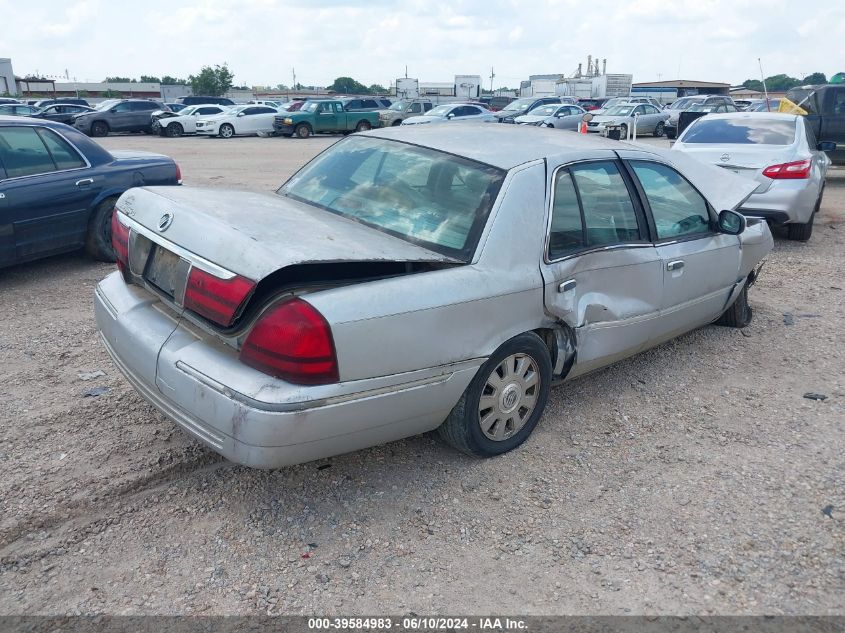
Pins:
x,y
450,116
731,222
827,146
241,113
587,117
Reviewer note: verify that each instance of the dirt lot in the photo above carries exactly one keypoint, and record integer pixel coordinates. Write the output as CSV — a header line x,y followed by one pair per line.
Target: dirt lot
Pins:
x,y
694,478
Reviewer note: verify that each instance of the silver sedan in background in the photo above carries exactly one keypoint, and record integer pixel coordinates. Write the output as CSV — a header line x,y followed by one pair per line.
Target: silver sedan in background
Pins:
x,y
562,117
452,112
647,118
778,152
415,278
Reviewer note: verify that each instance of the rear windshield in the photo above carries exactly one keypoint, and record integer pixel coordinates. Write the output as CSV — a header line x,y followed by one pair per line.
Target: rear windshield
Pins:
x,y
430,198
742,131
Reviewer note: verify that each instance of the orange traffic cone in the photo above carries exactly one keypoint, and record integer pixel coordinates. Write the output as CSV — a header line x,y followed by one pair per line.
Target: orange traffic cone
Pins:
x,y
583,128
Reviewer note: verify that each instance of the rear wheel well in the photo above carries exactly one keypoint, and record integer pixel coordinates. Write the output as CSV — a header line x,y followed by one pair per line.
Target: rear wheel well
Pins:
x,y
560,341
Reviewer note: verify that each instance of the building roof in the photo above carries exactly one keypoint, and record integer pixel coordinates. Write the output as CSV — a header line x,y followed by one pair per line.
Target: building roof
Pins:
x,y
681,83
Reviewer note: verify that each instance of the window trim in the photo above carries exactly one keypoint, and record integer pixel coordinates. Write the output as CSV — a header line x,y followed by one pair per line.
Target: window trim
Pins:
x,y
643,219
58,171
652,226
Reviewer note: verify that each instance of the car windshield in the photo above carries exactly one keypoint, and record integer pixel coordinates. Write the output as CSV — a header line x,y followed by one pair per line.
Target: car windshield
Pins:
x,y
744,131
399,106
441,110
613,102
620,111
546,110
701,107
682,104
761,107
437,200
187,111
519,104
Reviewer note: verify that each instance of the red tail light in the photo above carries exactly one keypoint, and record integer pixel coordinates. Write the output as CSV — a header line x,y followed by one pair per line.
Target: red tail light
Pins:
x,y
294,342
216,299
120,242
789,171
178,174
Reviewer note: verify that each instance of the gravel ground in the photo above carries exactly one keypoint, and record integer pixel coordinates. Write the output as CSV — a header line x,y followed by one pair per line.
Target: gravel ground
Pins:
x,y
693,478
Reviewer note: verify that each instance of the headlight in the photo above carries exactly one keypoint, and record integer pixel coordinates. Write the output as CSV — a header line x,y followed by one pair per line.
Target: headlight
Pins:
x,y
288,121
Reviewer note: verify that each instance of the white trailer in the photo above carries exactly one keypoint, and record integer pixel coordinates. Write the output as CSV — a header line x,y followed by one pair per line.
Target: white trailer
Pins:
x,y
407,88
467,87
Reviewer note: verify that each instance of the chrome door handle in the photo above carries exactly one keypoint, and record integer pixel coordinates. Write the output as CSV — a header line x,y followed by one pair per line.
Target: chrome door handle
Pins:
x,y
676,265
85,181
566,286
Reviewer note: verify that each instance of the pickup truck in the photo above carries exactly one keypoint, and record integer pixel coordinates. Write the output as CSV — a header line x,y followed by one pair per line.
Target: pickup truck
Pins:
x,y
323,116
825,106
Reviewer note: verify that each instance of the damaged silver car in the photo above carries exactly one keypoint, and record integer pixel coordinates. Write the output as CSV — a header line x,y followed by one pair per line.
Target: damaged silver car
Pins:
x,y
417,278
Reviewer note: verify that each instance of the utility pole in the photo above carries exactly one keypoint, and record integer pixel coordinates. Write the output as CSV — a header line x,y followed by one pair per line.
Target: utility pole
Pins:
x,y
492,75
293,72
406,71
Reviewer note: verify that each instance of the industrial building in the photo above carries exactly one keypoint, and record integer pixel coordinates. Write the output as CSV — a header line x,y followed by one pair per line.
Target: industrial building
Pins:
x,y
668,91
7,78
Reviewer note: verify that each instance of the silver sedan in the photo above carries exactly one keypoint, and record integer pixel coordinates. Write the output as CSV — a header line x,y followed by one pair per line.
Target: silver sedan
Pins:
x,y
417,278
646,118
561,117
778,152
453,112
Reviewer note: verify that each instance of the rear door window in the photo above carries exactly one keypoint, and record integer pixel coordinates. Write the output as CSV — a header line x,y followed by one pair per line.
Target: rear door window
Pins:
x,y
677,208
609,215
23,153
64,156
415,108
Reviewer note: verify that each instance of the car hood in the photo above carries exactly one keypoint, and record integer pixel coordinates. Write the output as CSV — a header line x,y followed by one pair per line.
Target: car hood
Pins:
x,y
255,234
605,118
502,114
530,118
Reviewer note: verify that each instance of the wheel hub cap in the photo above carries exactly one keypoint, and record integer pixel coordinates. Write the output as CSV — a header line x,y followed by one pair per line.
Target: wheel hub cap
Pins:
x,y
509,397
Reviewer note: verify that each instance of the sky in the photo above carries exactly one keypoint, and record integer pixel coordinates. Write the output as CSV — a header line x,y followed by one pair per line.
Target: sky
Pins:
x,y
374,40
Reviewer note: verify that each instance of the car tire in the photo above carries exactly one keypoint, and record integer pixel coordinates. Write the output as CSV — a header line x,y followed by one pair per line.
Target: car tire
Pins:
x,y
800,231
303,130
226,131
670,134
174,130
515,365
396,123
658,130
98,239
623,132
739,314
99,129
363,126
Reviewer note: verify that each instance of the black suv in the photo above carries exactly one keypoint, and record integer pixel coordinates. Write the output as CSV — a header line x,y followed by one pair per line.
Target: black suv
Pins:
x,y
43,103
119,115
825,107
522,106
671,127
200,100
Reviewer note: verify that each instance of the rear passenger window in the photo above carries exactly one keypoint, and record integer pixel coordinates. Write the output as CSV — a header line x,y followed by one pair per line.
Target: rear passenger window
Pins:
x,y
609,216
427,106
23,153
64,156
567,231
415,107
677,208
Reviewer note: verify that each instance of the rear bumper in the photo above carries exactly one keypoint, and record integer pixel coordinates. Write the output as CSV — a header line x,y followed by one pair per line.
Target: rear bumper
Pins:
x,y
253,419
786,201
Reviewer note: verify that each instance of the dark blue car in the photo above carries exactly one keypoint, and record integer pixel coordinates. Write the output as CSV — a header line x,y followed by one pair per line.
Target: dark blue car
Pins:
x,y
58,189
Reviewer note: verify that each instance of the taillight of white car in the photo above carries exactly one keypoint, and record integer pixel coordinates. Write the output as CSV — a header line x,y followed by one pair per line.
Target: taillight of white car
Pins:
x,y
789,171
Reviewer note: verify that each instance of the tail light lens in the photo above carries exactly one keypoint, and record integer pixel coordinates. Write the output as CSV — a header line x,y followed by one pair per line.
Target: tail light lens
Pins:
x,y
216,299
178,174
292,341
120,242
789,171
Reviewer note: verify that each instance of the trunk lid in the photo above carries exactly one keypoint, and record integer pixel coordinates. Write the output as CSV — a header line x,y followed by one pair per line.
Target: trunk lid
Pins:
x,y
746,161
254,235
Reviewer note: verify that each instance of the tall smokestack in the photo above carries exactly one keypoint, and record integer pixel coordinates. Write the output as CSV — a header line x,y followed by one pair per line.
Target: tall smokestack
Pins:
x,y
604,66
589,65
579,70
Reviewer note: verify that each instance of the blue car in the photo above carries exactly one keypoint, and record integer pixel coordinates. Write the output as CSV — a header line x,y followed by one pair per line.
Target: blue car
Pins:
x,y
58,189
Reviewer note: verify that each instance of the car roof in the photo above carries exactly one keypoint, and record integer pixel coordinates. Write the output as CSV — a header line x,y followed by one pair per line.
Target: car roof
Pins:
x,y
503,146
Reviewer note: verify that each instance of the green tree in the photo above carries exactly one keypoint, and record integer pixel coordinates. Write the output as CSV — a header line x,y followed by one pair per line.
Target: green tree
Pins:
x,y
111,94
377,89
82,93
167,80
149,79
212,82
117,80
779,83
347,85
814,78
753,84
282,87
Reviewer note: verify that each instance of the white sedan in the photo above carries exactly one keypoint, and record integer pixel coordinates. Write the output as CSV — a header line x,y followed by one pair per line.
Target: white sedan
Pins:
x,y
452,112
239,120
186,121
